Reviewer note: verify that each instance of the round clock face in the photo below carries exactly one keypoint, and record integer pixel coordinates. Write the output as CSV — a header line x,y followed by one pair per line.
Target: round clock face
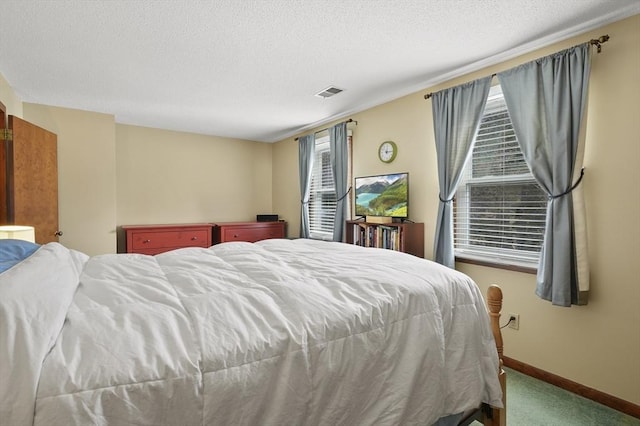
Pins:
x,y
387,151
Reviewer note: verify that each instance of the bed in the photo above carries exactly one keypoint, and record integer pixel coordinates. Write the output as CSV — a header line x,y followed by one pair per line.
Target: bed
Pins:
x,y
279,332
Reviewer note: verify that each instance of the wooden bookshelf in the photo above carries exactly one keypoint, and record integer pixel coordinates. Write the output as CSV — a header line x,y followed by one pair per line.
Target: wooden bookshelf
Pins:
x,y
405,237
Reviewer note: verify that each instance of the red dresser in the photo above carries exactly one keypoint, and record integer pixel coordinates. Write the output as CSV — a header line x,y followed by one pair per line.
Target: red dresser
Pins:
x,y
154,239
248,231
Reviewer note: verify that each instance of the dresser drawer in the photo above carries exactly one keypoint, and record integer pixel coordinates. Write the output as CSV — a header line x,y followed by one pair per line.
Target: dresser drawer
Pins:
x,y
154,239
248,234
248,231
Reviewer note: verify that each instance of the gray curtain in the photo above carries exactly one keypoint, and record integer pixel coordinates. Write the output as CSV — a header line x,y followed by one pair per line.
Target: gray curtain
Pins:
x,y
339,157
546,99
456,116
306,154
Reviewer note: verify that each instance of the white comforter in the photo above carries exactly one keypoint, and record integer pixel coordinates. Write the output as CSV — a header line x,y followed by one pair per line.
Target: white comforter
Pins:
x,y
278,332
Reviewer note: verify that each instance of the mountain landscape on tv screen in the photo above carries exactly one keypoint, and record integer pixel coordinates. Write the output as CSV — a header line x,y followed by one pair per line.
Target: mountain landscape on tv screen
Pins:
x,y
382,196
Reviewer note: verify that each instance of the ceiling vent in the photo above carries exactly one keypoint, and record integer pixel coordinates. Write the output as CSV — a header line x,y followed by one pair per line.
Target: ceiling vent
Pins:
x,y
328,92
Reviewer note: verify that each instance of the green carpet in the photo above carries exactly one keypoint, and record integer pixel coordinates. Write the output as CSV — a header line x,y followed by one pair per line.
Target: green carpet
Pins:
x,y
532,402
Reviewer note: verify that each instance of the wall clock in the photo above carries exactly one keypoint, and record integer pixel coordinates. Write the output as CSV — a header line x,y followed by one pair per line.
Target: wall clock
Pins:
x,y
387,151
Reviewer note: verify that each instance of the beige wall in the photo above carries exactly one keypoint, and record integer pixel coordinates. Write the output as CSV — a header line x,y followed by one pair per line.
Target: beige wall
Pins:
x,y
597,345
404,121
86,175
111,175
173,177
10,100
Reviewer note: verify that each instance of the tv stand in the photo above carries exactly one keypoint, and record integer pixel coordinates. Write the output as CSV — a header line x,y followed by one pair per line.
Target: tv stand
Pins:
x,y
407,237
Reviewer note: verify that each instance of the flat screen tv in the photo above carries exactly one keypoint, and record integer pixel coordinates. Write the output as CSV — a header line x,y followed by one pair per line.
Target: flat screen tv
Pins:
x,y
382,195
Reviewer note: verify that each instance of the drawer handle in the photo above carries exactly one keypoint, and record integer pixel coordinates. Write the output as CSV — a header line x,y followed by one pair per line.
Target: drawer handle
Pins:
x,y
146,241
194,238
235,235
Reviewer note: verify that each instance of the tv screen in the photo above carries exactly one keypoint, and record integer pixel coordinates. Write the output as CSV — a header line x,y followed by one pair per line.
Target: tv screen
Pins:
x,y
382,195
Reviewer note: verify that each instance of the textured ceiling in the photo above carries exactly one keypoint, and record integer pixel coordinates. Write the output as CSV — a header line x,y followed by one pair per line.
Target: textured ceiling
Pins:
x,y
249,69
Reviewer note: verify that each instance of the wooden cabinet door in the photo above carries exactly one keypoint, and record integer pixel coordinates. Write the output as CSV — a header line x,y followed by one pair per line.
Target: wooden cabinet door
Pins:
x,y
32,179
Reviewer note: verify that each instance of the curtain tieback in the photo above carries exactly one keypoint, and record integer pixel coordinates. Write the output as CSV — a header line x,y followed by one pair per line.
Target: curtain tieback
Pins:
x,y
445,201
303,202
553,197
345,194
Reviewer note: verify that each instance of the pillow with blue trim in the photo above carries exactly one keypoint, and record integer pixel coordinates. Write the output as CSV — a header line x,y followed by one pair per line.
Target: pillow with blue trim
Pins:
x,y
13,252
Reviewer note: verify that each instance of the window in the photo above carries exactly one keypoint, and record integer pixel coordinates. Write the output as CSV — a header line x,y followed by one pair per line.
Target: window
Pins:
x,y
500,210
322,198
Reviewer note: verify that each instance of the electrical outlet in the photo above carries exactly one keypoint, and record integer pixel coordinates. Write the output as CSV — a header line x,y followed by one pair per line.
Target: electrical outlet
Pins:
x,y
514,321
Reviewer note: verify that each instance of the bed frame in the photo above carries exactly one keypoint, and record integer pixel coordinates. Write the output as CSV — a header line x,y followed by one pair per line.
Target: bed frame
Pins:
x,y
487,415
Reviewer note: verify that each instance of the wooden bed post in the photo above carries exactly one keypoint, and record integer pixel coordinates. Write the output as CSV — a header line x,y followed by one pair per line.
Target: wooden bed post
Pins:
x,y
494,303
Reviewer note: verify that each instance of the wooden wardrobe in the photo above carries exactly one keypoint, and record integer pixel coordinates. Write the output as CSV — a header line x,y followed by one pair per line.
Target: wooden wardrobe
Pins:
x,y
28,177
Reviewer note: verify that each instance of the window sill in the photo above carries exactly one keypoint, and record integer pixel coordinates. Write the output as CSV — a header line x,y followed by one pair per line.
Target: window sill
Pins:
x,y
527,269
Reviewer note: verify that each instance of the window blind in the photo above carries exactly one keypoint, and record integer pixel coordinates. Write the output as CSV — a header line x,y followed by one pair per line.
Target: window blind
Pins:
x,y
500,210
322,201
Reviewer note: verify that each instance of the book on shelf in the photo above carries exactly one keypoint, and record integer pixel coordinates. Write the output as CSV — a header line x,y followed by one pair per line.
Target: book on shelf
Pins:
x,y
380,236
399,236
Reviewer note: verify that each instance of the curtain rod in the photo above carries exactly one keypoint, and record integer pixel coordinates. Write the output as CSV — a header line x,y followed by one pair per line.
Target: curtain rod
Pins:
x,y
346,121
594,41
